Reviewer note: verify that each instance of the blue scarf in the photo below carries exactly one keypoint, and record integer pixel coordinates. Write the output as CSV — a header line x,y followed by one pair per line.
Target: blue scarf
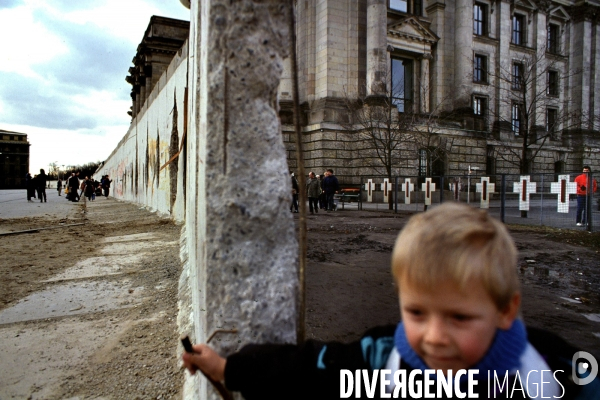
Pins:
x,y
503,355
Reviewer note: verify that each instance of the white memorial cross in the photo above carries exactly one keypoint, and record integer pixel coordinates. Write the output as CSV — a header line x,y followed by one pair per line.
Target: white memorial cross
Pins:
x,y
386,187
485,188
525,188
428,188
563,188
407,188
370,187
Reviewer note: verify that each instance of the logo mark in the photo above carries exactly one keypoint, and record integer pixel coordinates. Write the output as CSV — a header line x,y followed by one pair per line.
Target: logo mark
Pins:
x,y
584,364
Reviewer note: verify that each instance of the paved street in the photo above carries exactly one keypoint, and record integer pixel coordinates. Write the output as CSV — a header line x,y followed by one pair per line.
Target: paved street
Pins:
x,y
13,204
89,300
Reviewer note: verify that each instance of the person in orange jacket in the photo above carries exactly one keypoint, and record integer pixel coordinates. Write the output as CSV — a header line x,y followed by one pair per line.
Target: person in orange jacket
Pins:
x,y
584,181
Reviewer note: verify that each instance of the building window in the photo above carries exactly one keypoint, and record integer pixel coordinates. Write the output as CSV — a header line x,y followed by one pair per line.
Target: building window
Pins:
x,y
480,69
490,161
516,118
552,77
399,5
480,19
559,168
402,86
552,121
432,162
418,7
423,162
518,29
407,6
517,76
553,45
480,106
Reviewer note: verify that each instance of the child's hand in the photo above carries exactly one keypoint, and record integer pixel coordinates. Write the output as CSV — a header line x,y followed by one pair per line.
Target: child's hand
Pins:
x,y
206,360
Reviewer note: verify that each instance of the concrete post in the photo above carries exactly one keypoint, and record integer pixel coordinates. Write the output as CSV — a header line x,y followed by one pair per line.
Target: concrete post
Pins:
x,y
376,47
243,251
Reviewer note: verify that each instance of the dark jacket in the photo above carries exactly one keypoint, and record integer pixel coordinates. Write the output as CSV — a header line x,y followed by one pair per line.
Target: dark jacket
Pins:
x,y
313,187
40,181
73,182
330,184
312,370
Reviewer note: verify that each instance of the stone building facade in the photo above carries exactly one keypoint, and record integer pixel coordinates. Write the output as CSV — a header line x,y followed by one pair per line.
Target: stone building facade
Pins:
x,y
14,159
481,77
164,37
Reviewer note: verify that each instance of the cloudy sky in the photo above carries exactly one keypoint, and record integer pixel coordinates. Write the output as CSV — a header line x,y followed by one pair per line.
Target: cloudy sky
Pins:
x,y
63,65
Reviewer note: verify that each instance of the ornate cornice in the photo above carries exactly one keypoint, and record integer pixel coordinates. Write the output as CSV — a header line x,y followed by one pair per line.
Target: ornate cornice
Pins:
x,y
420,32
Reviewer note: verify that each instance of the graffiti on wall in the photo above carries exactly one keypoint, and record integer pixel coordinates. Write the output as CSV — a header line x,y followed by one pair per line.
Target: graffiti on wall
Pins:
x,y
173,150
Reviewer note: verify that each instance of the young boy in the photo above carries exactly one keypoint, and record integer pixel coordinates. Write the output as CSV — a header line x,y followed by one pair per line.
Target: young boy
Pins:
x,y
455,270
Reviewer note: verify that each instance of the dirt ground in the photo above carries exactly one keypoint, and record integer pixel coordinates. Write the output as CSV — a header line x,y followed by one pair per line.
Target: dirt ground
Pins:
x,y
130,351
120,341
349,284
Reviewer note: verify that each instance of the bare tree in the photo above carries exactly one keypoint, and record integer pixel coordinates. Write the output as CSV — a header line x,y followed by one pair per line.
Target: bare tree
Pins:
x,y
393,131
532,106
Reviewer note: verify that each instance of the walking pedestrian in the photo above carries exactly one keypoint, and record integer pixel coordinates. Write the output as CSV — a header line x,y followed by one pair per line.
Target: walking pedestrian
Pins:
x,y
59,186
106,185
584,194
30,186
322,199
330,186
313,190
73,184
41,180
88,186
295,188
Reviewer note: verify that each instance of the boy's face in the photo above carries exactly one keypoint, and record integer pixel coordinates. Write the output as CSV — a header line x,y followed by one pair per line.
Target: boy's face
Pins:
x,y
451,329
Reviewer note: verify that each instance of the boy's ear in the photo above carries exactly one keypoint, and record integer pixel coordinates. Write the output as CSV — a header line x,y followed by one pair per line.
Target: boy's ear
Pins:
x,y
508,315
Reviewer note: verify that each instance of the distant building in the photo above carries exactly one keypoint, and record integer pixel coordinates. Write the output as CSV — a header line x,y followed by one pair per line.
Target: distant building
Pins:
x,y
162,40
14,159
493,74
507,87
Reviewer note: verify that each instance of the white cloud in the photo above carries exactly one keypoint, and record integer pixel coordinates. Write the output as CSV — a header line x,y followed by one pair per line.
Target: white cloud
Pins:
x,y
104,105
63,65
26,42
121,18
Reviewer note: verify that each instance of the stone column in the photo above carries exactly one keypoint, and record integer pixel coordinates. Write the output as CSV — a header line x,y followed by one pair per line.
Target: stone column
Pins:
x,y
595,72
502,108
582,59
426,84
377,70
463,51
441,62
540,33
243,251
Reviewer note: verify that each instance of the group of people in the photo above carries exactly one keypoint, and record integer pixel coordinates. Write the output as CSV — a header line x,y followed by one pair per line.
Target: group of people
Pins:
x,y
74,187
88,187
36,184
320,190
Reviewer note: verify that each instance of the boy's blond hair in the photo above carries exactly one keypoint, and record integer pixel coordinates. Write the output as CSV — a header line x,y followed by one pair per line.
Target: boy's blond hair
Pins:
x,y
457,243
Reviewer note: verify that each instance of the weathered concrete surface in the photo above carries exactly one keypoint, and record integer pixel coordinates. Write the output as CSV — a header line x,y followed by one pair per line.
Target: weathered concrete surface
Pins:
x,y
241,240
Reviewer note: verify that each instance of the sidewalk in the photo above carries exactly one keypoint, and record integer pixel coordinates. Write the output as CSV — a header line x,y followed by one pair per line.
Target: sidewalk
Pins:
x,y
89,310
